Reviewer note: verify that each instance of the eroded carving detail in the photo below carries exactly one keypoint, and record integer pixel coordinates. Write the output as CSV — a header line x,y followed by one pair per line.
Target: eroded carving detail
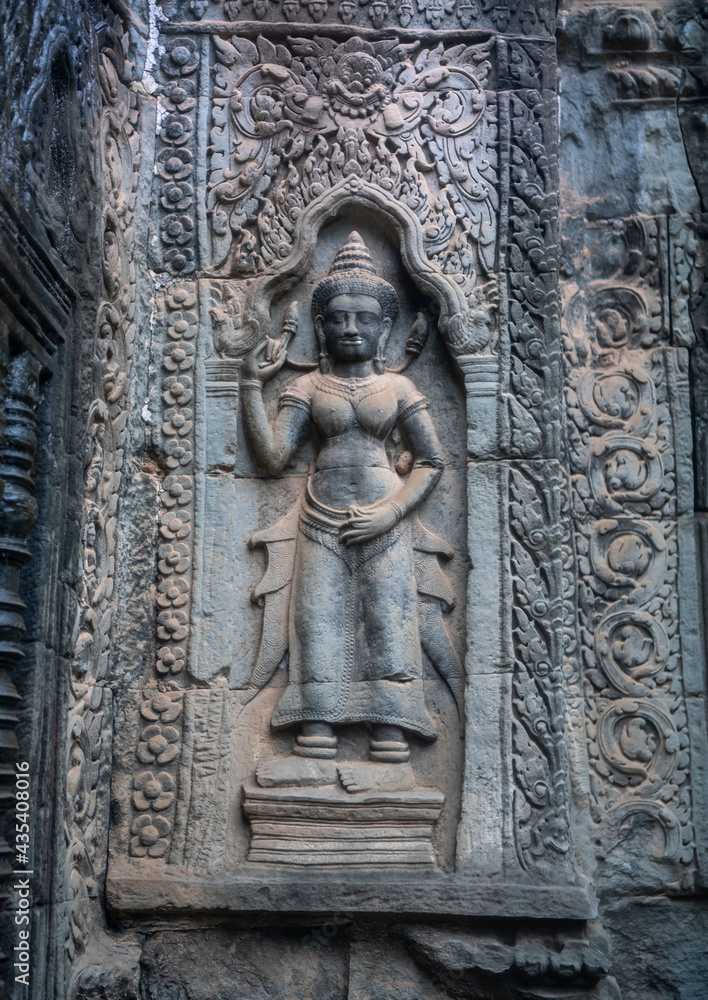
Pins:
x,y
533,305
527,16
623,404
540,757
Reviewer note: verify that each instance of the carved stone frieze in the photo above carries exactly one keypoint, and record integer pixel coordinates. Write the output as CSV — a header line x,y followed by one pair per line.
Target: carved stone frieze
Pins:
x,y
540,755
349,356
527,17
291,122
531,305
159,746
175,161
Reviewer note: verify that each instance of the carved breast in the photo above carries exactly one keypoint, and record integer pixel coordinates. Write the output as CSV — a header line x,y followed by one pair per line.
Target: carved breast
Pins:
x,y
333,414
374,413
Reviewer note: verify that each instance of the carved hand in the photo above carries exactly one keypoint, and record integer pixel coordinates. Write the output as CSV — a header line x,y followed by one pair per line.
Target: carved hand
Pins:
x,y
265,360
364,523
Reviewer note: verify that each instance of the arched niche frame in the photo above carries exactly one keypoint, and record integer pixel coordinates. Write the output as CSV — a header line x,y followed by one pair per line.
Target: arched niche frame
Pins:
x,y
455,324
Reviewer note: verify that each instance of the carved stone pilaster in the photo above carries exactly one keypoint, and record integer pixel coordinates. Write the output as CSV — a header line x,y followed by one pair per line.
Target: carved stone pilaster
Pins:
x,y
482,381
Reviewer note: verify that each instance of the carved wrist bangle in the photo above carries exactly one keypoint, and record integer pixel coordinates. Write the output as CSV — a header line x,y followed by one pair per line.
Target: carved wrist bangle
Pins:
x,y
398,511
251,383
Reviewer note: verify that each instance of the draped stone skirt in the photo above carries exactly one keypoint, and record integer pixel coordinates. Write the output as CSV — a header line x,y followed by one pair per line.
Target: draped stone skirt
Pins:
x,y
353,638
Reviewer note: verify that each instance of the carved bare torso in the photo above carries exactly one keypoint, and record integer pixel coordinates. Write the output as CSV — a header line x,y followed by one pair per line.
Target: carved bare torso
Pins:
x,y
353,418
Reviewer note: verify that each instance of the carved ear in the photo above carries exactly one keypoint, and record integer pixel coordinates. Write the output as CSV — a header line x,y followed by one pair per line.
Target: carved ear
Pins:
x,y
380,356
324,356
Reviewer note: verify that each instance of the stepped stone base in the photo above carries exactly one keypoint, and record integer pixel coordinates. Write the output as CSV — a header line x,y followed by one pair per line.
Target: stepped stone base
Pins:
x,y
328,826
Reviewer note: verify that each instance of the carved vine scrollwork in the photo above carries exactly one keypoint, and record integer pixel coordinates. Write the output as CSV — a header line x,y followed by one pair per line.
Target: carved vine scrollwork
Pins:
x,y
534,307
620,441
638,743
540,759
291,123
89,717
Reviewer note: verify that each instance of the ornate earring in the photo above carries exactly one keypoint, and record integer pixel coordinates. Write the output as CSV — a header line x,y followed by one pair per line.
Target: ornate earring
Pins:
x,y
323,355
380,356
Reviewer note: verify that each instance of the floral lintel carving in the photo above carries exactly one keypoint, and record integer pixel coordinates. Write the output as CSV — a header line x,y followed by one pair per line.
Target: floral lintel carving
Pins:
x,y
291,123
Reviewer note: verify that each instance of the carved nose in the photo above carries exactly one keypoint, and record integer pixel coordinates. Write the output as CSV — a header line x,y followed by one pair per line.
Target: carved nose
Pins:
x,y
350,323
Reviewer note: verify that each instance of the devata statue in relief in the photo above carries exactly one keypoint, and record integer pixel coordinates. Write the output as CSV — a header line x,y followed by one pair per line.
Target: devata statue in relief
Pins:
x,y
353,590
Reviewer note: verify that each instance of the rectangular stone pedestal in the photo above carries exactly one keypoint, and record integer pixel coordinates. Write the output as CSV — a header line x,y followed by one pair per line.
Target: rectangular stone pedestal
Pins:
x,y
328,826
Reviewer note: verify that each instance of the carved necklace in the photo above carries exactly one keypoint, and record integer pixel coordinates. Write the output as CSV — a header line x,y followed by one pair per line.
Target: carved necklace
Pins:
x,y
347,386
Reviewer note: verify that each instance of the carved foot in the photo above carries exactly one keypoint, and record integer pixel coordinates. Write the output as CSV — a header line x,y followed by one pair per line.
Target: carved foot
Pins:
x,y
296,772
376,777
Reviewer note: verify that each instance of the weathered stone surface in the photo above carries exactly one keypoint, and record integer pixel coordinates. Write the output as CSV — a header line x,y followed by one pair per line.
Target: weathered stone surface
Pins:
x,y
302,961
239,730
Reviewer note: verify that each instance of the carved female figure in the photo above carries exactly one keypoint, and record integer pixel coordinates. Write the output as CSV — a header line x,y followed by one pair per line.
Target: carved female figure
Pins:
x,y
353,581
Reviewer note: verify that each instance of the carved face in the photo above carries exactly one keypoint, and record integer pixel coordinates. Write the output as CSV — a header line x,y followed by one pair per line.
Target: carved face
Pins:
x,y
356,88
353,327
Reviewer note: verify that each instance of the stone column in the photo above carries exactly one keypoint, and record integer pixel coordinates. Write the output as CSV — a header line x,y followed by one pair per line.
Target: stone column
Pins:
x,y
18,512
481,833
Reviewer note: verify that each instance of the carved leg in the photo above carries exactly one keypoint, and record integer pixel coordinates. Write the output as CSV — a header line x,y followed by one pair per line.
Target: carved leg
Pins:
x,y
311,765
390,770
388,745
316,739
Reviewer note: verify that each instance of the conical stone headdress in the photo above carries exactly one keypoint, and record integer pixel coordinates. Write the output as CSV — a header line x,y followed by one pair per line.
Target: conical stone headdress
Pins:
x,y
353,273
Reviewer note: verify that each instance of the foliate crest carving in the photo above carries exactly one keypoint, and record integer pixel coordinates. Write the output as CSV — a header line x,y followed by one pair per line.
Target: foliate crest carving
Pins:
x,y
291,122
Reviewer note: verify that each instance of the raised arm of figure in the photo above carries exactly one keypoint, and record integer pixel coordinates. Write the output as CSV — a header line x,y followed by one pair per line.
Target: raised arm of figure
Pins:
x,y
273,445
365,523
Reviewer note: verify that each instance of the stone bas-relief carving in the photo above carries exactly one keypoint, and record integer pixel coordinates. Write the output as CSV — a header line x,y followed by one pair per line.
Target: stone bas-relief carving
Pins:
x,y
353,580
352,639
369,600
549,574
626,398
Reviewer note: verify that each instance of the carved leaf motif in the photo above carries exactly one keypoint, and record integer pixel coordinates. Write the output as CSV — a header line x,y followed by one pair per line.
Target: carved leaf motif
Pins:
x,y
540,764
297,122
